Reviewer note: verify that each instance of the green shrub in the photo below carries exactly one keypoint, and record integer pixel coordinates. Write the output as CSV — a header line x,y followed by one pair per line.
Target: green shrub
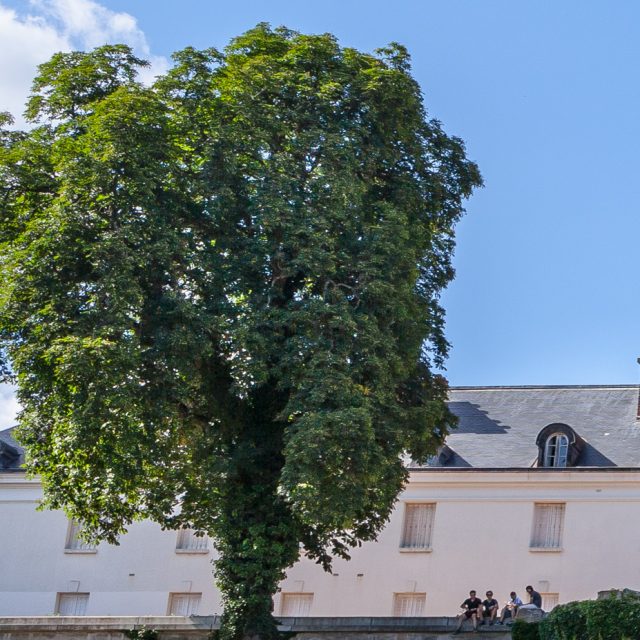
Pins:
x,y
609,619
143,633
614,619
282,635
566,622
522,630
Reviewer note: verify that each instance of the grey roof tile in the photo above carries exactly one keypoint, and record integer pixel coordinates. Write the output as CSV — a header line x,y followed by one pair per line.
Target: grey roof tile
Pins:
x,y
11,453
498,425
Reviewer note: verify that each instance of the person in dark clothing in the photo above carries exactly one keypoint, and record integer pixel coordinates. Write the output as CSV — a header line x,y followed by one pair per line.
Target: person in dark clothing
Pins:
x,y
472,610
535,602
534,597
489,609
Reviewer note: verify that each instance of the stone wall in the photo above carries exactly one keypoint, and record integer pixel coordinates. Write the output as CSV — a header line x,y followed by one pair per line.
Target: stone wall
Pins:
x,y
199,628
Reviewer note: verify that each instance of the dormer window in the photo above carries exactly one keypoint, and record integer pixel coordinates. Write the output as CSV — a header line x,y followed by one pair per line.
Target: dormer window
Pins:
x,y
556,450
559,446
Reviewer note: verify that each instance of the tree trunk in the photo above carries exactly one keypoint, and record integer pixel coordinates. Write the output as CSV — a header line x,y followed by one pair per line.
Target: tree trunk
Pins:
x,y
257,536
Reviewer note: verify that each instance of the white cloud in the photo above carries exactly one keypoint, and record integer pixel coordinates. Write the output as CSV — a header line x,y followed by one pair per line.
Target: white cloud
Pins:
x,y
9,407
32,37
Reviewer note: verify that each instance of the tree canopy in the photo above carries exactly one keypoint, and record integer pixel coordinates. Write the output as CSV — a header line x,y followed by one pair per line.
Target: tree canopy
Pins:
x,y
221,295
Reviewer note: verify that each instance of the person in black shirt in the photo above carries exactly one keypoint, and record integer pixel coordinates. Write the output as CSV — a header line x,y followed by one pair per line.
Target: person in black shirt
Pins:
x,y
535,602
472,607
534,597
489,609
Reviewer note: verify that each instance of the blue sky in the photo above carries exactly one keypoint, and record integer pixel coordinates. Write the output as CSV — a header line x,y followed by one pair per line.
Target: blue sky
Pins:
x,y
546,96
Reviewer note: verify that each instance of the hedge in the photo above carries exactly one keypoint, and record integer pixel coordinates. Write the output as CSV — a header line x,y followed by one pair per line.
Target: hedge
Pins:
x,y
609,619
521,630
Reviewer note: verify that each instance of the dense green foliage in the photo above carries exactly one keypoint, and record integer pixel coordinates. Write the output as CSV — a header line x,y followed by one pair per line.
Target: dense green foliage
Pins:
x,y
220,299
566,622
521,630
608,619
144,633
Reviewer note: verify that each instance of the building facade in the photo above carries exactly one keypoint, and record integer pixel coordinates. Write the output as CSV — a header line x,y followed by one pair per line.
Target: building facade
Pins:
x,y
537,485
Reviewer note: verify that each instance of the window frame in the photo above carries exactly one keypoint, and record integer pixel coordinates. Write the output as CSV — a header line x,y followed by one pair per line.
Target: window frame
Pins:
x,y
62,595
542,531
549,595
417,596
188,534
74,544
556,451
406,546
187,594
285,595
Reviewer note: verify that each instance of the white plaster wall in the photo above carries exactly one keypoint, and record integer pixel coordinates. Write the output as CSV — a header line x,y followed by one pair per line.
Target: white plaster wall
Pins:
x,y
34,566
480,540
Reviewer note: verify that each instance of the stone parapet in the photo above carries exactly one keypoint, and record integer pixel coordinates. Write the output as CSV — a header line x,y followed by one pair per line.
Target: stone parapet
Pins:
x,y
199,627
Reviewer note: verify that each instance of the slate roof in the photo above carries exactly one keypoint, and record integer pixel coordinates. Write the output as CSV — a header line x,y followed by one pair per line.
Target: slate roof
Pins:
x,y
11,453
498,425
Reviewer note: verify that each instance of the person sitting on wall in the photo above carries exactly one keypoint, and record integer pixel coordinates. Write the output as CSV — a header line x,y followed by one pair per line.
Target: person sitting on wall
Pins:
x,y
472,607
511,608
534,597
535,600
489,609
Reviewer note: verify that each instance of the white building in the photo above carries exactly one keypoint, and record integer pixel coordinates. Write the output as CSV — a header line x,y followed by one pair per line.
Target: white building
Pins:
x,y
538,485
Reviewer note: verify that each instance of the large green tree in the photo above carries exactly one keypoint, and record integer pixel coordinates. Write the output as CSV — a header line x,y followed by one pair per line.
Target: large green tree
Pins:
x,y
220,295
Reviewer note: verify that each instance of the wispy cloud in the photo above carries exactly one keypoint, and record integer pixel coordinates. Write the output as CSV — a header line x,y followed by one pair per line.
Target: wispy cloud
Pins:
x,y
9,407
48,26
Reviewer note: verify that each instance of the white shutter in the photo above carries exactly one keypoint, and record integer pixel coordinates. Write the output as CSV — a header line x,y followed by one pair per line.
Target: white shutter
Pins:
x,y
184,604
549,601
548,522
296,605
418,526
408,604
74,542
72,604
189,541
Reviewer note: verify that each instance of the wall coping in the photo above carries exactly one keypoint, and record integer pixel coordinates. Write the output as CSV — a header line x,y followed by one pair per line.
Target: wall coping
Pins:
x,y
200,623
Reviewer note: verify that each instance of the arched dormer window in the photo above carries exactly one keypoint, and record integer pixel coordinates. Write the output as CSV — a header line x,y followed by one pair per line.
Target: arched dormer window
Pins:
x,y
556,450
559,446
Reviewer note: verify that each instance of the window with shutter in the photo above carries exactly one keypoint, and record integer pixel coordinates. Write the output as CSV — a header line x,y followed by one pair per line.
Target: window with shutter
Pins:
x,y
296,605
75,543
549,601
418,527
184,604
548,523
72,604
408,604
189,542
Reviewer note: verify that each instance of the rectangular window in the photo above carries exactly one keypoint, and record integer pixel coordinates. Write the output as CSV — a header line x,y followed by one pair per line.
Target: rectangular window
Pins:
x,y
72,604
189,542
296,605
548,522
417,527
549,601
74,542
408,604
184,604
